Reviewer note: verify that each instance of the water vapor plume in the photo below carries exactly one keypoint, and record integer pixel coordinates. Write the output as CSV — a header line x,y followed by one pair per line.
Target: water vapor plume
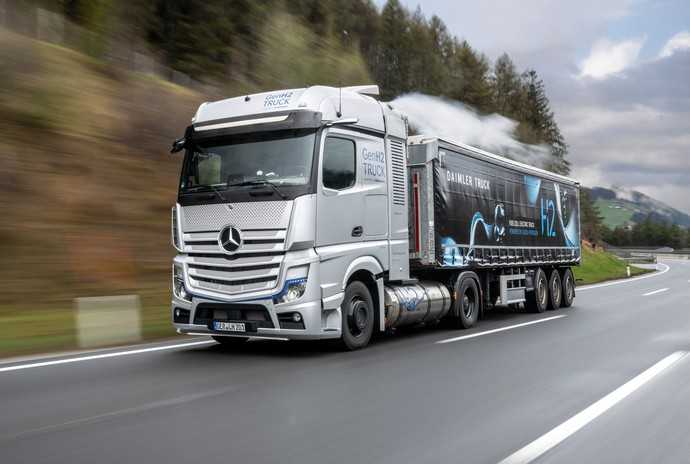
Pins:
x,y
435,116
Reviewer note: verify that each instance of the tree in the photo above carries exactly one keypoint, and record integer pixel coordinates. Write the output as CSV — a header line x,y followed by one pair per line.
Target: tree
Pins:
x,y
507,88
391,66
591,221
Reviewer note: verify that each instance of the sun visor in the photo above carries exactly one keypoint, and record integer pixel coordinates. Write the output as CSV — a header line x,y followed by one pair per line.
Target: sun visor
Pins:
x,y
273,121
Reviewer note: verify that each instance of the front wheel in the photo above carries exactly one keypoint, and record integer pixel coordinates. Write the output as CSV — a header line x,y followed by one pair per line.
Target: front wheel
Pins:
x,y
358,316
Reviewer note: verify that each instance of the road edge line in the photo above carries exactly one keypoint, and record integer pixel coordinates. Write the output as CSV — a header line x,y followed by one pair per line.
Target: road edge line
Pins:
x,y
558,434
115,354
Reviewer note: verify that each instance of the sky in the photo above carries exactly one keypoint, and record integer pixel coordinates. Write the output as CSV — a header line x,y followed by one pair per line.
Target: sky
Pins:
x,y
617,73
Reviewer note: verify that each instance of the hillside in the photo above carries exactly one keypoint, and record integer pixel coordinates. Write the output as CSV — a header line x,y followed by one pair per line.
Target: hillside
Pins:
x,y
621,207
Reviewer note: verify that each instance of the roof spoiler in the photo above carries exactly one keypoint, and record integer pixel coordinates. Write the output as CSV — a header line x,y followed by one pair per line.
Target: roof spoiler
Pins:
x,y
370,90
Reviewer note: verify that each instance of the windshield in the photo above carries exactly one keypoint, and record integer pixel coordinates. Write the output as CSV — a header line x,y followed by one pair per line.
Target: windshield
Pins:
x,y
280,158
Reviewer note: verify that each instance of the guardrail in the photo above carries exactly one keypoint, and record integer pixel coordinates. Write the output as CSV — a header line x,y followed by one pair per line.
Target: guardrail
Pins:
x,y
648,255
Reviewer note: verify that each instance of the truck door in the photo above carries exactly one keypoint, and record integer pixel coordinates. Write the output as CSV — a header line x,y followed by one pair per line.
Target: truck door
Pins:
x,y
351,204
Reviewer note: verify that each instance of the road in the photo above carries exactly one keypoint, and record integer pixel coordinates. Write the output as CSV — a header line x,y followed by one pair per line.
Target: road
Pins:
x,y
608,382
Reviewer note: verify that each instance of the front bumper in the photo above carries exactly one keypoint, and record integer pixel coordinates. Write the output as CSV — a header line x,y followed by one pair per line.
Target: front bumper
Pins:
x,y
318,324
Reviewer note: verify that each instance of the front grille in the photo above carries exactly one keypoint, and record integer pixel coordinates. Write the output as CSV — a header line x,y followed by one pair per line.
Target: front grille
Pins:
x,y
257,314
254,267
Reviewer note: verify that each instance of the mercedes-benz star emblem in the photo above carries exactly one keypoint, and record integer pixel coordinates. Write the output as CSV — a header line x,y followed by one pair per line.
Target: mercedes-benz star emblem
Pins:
x,y
229,239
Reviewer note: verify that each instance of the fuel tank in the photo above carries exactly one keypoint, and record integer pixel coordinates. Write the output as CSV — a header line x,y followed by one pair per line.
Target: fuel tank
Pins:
x,y
415,303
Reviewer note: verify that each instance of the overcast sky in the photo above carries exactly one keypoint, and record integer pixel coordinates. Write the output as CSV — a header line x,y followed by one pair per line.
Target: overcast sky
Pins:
x,y
617,73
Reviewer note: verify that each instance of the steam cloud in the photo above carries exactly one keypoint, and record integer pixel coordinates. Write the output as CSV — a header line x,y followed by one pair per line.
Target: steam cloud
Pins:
x,y
436,116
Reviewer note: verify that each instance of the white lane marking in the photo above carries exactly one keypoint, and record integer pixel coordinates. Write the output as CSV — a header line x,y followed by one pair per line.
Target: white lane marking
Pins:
x,y
625,281
500,329
552,438
654,292
104,355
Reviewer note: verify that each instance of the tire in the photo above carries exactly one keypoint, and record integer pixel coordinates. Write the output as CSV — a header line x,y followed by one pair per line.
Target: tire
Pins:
x,y
467,304
555,290
231,341
358,317
568,284
537,300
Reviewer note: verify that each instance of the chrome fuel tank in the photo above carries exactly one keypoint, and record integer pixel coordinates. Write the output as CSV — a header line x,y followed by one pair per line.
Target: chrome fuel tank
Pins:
x,y
415,303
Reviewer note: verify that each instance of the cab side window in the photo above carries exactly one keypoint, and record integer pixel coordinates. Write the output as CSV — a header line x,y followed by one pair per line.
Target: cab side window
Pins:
x,y
339,161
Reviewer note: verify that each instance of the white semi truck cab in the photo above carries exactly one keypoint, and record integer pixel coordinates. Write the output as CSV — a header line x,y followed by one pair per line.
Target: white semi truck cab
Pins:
x,y
310,214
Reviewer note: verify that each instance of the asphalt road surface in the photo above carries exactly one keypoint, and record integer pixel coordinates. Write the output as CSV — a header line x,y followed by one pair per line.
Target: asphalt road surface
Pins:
x,y
608,381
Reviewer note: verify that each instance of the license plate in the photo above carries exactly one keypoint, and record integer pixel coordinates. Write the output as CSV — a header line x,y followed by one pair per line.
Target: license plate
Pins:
x,y
229,326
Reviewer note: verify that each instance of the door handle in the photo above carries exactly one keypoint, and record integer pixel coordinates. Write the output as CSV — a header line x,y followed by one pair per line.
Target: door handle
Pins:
x,y
357,231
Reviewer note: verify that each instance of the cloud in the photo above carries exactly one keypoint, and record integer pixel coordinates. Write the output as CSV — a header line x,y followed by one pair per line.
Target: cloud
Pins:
x,y
680,41
608,57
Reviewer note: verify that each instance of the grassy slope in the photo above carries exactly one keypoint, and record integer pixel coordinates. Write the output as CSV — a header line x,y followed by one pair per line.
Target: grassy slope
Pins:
x,y
598,266
612,216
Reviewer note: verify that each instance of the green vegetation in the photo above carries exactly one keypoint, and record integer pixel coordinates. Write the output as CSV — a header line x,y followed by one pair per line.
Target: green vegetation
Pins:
x,y
648,233
241,46
614,213
598,266
40,331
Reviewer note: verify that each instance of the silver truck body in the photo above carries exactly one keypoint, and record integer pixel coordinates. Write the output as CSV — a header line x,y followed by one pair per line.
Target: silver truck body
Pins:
x,y
282,239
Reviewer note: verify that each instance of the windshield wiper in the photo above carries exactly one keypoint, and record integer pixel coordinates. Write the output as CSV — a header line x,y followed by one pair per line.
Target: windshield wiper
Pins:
x,y
259,182
205,188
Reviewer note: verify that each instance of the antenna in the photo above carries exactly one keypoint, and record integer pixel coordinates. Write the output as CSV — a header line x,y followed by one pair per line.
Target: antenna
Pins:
x,y
340,102
346,38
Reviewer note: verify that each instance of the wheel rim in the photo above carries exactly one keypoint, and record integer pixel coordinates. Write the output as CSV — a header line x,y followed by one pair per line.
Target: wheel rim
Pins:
x,y
556,290
468,302
542,291
358,319
568,287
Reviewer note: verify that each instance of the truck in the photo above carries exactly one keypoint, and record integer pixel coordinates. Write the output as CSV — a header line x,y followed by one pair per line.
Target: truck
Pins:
x,y
311,213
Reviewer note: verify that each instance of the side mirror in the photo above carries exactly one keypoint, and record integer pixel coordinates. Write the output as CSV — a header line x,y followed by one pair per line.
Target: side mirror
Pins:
x,y
178,145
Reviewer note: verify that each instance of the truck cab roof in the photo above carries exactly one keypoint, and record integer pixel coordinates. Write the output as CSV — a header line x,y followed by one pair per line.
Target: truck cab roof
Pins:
x,y
273,107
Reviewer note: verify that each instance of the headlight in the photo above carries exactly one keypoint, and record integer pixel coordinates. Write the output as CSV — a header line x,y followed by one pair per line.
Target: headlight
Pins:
x,y
178,287
295,285
175,237
292,290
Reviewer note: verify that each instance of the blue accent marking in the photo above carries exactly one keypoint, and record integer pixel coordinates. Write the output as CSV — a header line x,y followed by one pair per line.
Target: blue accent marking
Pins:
x,y
532,185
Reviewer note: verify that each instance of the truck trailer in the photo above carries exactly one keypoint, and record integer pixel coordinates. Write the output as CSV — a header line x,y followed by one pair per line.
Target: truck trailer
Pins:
x,y
312,214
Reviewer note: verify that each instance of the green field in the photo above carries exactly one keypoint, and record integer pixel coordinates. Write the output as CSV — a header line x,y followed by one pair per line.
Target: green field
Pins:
x,y
598,266
615,213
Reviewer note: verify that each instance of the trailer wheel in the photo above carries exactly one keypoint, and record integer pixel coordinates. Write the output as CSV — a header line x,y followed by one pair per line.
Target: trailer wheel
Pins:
x,y
537,299
358,316
466,304
568,284
555,290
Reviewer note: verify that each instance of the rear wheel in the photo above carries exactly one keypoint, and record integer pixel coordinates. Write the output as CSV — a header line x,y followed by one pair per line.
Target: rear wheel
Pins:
x,y
537,300
358,316
555,290
231,341
466,304
568,285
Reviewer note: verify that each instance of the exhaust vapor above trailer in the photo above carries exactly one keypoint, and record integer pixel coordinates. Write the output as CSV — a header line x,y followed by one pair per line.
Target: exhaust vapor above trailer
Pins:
x,y
310,214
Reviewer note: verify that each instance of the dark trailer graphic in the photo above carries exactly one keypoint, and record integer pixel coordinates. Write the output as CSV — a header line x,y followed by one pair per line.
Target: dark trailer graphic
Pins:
x,y
469,207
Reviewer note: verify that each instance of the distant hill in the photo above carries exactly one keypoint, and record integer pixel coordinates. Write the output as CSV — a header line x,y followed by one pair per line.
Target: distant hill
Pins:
x,y
619,207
